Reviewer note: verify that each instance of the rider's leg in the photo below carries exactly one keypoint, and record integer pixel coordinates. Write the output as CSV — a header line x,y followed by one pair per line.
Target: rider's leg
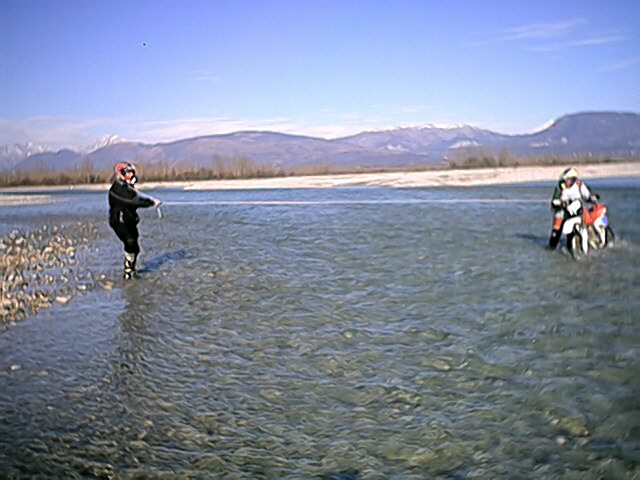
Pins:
x,y
128,235
570,241
131,251
556,229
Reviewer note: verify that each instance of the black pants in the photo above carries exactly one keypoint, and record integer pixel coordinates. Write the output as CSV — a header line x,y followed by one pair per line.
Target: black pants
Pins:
x,y
554,239
128,234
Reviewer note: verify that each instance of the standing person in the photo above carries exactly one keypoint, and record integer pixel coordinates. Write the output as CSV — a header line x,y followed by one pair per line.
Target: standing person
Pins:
x,y
569,188
124,200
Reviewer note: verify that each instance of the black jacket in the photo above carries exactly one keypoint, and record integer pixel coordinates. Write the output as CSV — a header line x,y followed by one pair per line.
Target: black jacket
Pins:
x,y
124,200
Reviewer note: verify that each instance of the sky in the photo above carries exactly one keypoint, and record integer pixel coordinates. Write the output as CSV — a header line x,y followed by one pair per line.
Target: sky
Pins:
x,y
72,71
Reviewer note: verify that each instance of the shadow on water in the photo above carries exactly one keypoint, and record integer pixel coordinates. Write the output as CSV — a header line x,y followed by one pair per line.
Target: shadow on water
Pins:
x,y
536,239
345,475
156,262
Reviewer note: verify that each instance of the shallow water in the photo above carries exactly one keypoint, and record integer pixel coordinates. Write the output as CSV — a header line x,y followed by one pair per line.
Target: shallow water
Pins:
x,y
347,333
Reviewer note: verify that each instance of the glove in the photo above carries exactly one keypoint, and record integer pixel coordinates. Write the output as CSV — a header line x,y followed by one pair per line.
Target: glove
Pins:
x,y
594,198
157,202
573,208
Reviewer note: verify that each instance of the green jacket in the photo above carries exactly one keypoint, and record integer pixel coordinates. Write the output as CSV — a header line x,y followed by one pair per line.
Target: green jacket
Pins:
x,y
556,203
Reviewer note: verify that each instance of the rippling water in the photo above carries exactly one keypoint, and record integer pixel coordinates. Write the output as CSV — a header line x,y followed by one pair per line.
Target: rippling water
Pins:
x,y
349,333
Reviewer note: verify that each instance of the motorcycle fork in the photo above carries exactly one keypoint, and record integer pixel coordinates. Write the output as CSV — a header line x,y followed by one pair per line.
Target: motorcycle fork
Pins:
x,y
584,238
602,233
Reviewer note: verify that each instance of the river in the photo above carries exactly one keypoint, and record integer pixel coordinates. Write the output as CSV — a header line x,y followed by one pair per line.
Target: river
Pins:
x,y
358,333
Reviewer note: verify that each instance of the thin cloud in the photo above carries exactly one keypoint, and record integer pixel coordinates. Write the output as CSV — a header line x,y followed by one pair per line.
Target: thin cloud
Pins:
x,y
533,31
156,131
602,40
542,30
623,64
170,130
54,132
205,76
584,42
78,133
404,110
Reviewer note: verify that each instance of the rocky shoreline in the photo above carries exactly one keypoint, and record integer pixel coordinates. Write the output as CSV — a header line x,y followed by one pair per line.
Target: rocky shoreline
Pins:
x,y
43,267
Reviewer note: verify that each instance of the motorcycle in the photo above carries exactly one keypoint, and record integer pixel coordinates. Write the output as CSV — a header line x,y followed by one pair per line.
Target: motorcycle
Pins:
x,y
600,232
587,228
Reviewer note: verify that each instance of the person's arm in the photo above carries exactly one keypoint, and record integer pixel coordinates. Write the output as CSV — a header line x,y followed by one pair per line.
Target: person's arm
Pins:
x,y
147,198
586,193
556,201
132,198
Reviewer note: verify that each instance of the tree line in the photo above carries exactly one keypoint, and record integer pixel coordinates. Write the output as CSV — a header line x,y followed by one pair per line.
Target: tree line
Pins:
x,y
86,173
480,157
242,167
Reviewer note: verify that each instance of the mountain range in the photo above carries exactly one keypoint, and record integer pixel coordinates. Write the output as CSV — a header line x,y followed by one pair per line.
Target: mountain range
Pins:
x,y
600,134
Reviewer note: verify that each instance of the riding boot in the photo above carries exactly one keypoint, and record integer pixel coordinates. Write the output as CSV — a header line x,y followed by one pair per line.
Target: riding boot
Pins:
x,y
570,242
129,266
554,239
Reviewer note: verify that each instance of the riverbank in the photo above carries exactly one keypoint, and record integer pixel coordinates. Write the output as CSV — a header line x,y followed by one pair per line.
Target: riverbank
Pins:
x,y
402,179
434,178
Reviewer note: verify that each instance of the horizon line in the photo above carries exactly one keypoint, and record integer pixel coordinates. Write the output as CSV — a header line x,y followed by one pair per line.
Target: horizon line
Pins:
x,y
265,130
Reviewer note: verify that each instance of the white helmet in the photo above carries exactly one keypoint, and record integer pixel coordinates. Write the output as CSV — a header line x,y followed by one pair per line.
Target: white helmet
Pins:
x,y
568,174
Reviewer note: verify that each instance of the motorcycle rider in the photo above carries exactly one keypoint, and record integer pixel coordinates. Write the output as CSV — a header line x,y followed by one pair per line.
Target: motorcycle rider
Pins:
x,y
124,200
569,188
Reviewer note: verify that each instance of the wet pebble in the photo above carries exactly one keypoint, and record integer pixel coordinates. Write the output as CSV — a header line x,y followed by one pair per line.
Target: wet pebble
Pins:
x,y
437,363
421,457
271,395
62,300
30,268
574,426
348,334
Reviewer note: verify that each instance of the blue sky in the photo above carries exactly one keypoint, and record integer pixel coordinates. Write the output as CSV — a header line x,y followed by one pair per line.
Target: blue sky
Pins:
x,y
75,70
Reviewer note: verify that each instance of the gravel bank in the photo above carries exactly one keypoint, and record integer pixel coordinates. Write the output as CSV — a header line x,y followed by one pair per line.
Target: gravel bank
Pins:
x,y
43,267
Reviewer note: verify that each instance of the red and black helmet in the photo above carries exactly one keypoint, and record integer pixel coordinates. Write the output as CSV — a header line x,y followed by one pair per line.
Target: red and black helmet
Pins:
x,y
126,171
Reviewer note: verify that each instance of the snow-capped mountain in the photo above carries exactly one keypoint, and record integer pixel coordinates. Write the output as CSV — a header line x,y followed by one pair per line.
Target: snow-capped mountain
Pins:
x,y
11,155
429,140
105,141
599,134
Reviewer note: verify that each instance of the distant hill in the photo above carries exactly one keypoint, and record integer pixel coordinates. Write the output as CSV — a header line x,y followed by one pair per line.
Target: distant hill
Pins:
x,y
609,134
430,141
599,134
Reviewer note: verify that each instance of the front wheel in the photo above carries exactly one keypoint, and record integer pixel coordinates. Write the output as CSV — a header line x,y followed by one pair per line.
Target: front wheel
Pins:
x,y
575,245
609,236
597,237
